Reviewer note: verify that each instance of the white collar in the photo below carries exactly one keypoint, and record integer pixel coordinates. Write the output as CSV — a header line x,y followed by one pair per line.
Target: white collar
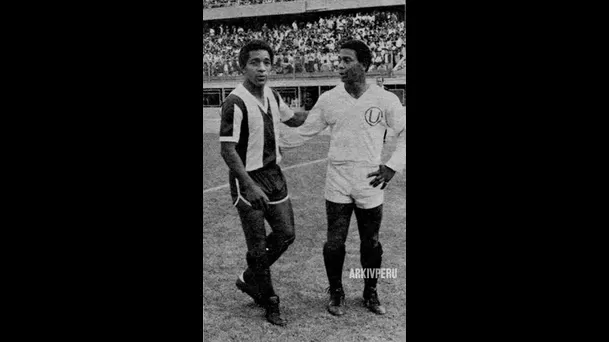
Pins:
x,y
344,89
242,91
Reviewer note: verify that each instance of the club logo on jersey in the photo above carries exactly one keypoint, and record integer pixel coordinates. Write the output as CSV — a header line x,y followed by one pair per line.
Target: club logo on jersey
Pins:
x,y
373,116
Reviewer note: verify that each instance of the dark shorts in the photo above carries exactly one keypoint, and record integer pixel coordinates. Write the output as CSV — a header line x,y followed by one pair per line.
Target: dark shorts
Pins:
x,y
270,179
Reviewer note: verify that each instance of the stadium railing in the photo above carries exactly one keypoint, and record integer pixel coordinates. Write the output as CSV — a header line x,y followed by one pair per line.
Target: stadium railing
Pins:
x,y
304,75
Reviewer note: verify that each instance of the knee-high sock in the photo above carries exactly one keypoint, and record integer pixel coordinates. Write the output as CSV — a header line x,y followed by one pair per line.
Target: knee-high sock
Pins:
x,y
334,258
371,253
257,261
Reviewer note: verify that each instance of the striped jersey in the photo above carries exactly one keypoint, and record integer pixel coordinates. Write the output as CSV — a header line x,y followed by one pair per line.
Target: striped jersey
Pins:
x,y
254,125
357,126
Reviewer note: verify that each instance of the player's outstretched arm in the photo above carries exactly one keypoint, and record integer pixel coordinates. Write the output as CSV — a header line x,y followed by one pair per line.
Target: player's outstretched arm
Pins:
x,y
313,124
298,119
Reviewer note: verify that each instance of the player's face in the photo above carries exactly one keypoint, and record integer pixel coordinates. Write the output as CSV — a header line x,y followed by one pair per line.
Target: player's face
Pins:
x,y
257,67
350,69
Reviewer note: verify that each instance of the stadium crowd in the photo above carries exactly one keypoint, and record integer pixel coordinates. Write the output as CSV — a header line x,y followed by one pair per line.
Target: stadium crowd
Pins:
x,y
226,3
307,46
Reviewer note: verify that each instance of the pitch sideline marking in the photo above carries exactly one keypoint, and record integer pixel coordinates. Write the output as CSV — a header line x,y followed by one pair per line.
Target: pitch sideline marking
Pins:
x,y
287,168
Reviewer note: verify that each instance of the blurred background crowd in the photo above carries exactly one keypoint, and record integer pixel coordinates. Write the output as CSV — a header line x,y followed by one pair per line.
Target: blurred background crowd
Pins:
x,y
225,3
305,44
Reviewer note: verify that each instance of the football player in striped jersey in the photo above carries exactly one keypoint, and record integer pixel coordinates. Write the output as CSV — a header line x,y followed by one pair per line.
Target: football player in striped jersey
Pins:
x,y
249,129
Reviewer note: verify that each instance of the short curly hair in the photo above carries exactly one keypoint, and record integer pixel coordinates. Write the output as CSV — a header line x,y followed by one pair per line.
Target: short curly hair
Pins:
x,y
362,51
252,45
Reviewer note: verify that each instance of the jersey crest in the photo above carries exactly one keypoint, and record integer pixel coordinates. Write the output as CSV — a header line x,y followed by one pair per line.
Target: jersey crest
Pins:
x,y
373,116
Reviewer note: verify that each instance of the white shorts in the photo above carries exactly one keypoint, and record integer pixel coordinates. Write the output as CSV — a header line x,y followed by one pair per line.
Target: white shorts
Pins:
x,y
347,183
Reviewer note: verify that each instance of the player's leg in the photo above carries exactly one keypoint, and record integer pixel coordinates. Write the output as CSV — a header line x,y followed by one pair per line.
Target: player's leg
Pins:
x,y
339,218
339,208
261,286
252,222
371,252
369,215
280,217
281,220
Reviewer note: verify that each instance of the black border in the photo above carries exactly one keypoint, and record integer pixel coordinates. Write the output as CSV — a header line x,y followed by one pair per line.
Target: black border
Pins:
x,y
120,206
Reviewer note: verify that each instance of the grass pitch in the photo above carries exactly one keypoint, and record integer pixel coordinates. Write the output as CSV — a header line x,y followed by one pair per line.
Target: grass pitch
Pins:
x,y
298,276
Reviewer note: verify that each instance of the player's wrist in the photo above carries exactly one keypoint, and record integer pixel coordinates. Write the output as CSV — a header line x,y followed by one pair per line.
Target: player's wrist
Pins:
x,y
247,184
389,168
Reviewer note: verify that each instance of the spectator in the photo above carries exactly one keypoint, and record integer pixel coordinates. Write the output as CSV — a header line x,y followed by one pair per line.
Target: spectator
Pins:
x,y
315,40
318,61
399,42
298,63
378,60
287,65
310,61
326,66
334,60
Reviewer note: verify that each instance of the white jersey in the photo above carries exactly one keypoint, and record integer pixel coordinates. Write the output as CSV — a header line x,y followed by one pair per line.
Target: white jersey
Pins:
x,y
357,126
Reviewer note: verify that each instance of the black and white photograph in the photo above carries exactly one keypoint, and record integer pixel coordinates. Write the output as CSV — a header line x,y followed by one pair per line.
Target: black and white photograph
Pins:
x,y
304,170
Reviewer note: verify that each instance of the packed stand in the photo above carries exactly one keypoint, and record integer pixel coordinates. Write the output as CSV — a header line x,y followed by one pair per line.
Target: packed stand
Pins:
x,y
226,3
308,47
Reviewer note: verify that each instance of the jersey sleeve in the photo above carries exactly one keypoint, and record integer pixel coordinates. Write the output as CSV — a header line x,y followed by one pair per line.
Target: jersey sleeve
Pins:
x,y
230,122
396,119
285,113
314,124
316,120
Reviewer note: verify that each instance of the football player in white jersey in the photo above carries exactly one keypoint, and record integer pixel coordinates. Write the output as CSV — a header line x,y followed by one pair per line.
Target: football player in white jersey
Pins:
x,y
249,130
358,114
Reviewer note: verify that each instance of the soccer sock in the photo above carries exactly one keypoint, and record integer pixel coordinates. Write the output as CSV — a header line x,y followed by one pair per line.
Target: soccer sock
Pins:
x,y
258,263
371,253
334,258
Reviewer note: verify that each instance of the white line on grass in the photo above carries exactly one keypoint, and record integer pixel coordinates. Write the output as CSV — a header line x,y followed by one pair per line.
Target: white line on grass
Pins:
x,y
287,168
303,164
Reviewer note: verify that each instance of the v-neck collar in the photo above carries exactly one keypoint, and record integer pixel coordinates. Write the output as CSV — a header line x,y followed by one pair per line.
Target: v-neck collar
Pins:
x,y
263,106
351,96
